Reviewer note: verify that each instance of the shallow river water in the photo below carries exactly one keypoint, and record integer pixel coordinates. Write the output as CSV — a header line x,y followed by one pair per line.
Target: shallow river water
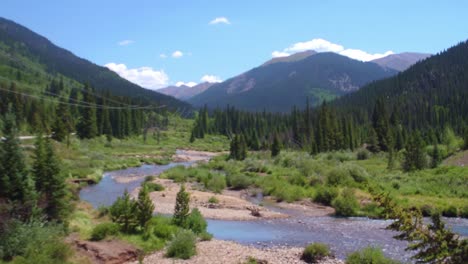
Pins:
x,y
344,235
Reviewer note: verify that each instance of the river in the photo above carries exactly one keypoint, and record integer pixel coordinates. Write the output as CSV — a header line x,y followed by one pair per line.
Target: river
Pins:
x,y
344,235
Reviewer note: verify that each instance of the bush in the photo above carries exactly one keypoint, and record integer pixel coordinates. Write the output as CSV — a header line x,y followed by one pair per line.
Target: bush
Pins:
x,y
451,211
34,242
315,252
346,204
103,230
217,183
149,178
238,181
154,187
160,227
326,195
369,255
182,246
358,173
338,176
205,236
213,200
363,154
196,222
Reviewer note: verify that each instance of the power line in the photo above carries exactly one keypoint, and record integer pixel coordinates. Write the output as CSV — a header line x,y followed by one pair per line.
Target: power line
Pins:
x,y
82,105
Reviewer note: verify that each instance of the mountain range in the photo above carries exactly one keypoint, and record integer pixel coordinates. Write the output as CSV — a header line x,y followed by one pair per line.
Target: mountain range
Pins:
x,y
281,83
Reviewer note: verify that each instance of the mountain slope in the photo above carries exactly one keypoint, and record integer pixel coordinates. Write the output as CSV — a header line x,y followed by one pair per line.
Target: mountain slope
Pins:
x,y
430,94
24,43
401,61
185,92
279,86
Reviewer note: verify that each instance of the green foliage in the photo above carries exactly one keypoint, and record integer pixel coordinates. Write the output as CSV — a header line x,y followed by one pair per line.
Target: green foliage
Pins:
x,y
124,212
144,206
103,230
33,242
153,187
217,183
362,154
275,147
415,157
87,126
238,149
205,236
160,227
196,222
181,210
315,252
369,255
325,195
338,176
213,200
183,246
436,157
346,203
238,181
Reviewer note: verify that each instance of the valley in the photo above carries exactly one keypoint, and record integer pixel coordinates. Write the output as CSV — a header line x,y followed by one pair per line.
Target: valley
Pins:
x,y
322,153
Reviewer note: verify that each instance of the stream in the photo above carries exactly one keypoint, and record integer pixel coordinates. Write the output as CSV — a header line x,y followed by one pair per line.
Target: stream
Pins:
x,y
344,235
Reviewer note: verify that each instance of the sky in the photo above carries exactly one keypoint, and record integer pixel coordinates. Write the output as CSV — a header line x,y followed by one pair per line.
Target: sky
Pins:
x,y
159,43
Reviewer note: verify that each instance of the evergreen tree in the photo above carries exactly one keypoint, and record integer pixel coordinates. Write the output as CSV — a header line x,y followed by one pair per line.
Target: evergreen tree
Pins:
x,y
124,212
436,158
415,157
15,182
55,186
39,167
62,126
182,209
465,138
145,206
391,159
275,147
380,123
87,126
372,141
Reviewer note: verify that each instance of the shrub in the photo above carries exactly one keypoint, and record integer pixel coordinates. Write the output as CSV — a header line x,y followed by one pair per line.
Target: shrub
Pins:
x,y
338,176
363,154
315,252
358,173
326,195
182,246
33,242
450,211
149,178
428,210
464,211
369,255
154,187
238,181
196,222
213,200
124,212
205,236
103,230
160,227
217,183
346,204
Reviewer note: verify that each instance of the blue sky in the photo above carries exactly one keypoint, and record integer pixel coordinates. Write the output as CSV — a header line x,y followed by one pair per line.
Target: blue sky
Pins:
x,y
141,39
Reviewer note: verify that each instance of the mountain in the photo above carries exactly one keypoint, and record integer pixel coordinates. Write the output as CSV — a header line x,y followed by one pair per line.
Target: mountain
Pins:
x,y
429,95
401,61
294,57
280,84
27,51
184,92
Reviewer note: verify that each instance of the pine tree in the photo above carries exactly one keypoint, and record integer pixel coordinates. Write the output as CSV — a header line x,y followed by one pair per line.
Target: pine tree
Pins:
x,y
435,156
242,154
182,209
62,126
275,147
39,167
381,126
391,159
124,212
87,127
15,182
372,141
145,206
415,157
55,188
465,138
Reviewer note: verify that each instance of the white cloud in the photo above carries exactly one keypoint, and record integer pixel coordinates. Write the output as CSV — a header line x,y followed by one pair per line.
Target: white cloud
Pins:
x,y
277,54
220,20
211,79
189,84
177,54
322,45
162,56
144,76
125,42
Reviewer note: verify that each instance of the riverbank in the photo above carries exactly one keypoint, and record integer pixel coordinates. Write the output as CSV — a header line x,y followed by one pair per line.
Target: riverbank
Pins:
x,y
227,252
